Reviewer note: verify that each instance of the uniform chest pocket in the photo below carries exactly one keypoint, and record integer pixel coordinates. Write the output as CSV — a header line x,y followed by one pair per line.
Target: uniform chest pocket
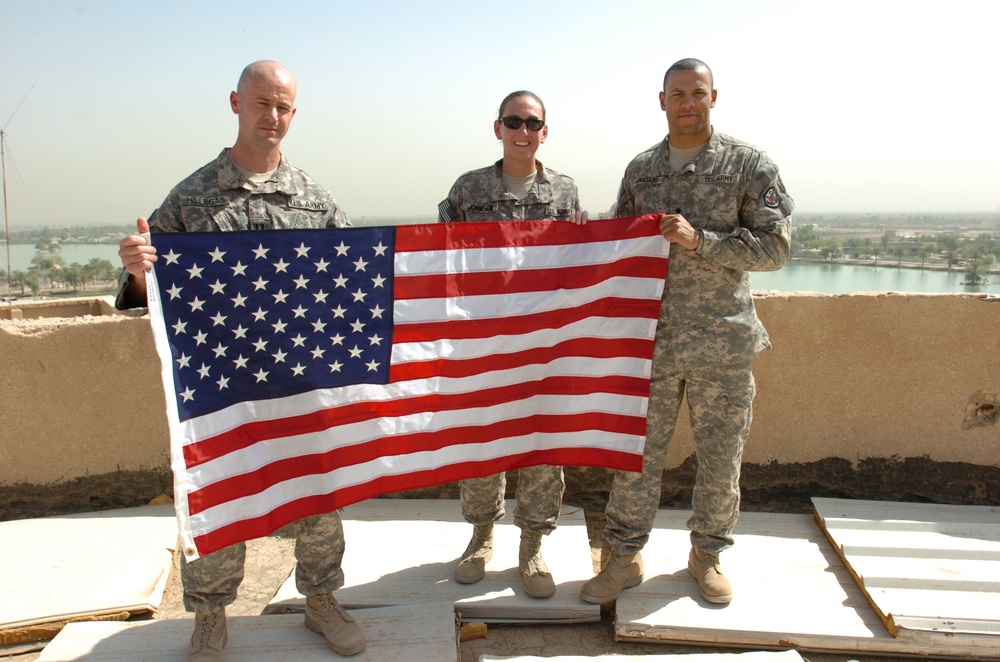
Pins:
x,y
558,213
482,211
652,193
714,205
208,213
303,213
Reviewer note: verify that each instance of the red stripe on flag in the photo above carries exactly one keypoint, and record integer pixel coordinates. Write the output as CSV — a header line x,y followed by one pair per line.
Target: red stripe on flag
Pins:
x,y
583,348
610,307
524,280
499,234
287,513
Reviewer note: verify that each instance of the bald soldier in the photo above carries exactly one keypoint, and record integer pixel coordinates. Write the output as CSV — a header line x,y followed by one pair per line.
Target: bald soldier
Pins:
x,y
726,213
250,186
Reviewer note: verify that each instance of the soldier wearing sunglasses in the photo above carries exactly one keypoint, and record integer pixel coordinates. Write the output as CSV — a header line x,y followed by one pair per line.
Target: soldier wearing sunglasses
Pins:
x,y
515,188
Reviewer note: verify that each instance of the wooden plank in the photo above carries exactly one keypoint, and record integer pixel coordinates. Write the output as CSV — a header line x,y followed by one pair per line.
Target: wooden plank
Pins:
x,y
754,656
404,552
791,590
916,541
930,572
395,634
861,510
60,568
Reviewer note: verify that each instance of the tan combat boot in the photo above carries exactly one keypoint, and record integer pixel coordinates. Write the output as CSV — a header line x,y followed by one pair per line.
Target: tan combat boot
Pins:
x,y
712,584
534,573
325,616
209,637
620,572
472,566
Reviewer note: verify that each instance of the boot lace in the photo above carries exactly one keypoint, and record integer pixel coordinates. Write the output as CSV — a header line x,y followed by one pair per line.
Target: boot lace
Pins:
x,y
207,625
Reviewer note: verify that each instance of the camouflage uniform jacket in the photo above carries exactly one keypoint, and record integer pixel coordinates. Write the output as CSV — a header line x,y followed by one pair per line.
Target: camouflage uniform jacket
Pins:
x,y
218,197
479,195
732,192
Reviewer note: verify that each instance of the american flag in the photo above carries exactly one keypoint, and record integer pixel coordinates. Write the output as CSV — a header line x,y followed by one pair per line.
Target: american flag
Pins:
x,y
305,370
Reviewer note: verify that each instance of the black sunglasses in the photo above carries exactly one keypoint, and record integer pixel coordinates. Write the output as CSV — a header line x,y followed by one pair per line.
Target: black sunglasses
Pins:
x,y
514,122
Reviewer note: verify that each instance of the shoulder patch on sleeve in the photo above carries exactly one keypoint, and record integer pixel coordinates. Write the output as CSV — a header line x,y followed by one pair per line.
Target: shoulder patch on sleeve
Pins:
x,y
771,198
763,179
446,212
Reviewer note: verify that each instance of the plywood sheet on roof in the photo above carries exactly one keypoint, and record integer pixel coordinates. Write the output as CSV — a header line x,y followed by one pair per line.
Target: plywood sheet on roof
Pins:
x,y
405,552
60,568
930,571
395,634
753,656
791,590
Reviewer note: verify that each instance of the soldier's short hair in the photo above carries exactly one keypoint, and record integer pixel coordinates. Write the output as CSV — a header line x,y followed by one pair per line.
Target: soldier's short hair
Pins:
x,y
520,93
689,64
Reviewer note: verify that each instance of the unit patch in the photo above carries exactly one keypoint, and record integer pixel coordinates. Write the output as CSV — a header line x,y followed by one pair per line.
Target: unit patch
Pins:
x,y
771,198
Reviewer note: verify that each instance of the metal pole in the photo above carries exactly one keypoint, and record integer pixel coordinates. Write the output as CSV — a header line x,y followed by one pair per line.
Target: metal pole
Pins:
x,y
6,223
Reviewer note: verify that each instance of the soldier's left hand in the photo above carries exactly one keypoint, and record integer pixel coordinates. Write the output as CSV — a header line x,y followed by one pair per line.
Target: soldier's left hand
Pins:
x,y
676,229
580,218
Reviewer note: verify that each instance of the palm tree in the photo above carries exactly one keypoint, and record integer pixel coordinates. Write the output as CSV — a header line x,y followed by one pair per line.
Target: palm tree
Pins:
x,y
99,269
73,275
33,282
50,266
949,244
977,266
18,279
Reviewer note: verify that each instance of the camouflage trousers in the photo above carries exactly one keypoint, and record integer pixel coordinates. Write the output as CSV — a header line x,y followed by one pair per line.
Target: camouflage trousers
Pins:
x,y
210,582
538,495
720,400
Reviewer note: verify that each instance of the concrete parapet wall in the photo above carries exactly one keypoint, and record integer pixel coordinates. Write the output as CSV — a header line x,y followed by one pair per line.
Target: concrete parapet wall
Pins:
x,y
850,377
872,376
69,307
80,396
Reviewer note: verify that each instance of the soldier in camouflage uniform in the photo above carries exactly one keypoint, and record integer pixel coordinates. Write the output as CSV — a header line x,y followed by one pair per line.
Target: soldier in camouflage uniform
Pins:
x,y
249,187
515,188
726,213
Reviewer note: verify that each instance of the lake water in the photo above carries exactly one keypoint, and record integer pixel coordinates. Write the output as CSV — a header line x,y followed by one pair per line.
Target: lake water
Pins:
x,y
21,254
846,278
794,277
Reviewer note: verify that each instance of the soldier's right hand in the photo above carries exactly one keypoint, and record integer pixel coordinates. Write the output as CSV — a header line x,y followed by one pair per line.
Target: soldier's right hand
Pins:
x,y
136,252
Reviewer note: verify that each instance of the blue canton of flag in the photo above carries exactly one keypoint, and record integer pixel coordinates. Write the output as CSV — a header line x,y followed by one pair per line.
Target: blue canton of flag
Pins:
x,y
250,316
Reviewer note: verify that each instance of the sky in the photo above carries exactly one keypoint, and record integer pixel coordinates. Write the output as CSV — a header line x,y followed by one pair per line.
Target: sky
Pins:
x,y
866,106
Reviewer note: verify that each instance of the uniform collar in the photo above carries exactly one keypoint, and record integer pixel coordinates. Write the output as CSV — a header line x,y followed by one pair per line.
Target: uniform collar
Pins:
x,y
282,180
704,163
541,191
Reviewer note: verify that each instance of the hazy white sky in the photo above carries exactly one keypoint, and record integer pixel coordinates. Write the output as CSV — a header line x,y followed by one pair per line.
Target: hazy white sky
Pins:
x,y
865,105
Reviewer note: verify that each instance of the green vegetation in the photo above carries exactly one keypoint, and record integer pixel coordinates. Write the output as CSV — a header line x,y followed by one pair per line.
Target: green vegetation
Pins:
x,y
974,253
51,275
72,234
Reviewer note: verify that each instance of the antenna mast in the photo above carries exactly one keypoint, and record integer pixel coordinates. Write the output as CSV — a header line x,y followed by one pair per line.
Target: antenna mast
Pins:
x,y
6,216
